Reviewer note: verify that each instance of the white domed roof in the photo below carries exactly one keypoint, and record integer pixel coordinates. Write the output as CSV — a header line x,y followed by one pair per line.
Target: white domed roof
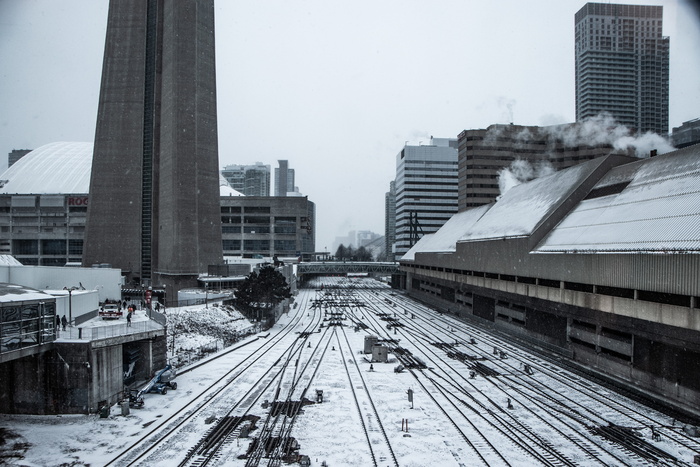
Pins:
x,y
53,168
225,188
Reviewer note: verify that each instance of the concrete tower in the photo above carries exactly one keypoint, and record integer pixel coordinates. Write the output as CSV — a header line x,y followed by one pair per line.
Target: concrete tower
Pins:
x,y
154,191
622,65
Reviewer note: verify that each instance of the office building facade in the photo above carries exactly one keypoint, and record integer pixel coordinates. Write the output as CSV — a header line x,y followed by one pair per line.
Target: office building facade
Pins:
x,y
484,153
622,65
426,190
154,210
269,226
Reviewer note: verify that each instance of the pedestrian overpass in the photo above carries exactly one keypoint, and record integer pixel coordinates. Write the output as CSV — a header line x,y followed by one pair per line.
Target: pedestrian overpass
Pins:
x,y
321,268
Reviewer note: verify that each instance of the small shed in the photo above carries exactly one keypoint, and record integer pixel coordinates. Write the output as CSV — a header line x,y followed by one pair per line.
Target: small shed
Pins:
x,y
370,341
380,353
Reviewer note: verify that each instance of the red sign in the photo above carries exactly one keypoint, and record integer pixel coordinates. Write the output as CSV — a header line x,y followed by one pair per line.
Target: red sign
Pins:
x,y
77,201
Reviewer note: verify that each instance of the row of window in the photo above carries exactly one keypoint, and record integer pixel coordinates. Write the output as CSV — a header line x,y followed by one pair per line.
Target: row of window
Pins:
x,y
259,245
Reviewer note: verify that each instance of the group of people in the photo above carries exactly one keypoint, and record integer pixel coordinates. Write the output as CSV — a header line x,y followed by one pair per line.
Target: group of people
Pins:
x,y
61,322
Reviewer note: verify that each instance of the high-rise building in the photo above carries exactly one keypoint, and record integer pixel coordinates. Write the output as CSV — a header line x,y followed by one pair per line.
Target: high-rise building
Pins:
x,y
284,179
390,220
154,192
251,180
15,155
622,65
426,190
484,153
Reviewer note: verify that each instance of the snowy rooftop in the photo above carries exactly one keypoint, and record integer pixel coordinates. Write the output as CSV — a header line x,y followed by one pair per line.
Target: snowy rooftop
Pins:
x,y
53,168
18,293
445,239
652,205
522,208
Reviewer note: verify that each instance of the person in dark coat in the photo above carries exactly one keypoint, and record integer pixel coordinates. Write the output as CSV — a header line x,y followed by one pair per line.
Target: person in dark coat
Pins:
x,y
128,318
58,322
64,322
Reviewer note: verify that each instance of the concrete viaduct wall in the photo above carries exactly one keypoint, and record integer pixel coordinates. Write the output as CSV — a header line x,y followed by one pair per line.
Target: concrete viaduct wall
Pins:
x,y
77,377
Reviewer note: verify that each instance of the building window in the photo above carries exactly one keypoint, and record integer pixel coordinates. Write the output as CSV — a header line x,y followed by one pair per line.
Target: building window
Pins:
x,y
257,209
232,245
75,247
257,229
285,246
53,247
256,245
286,229
25,247
231,229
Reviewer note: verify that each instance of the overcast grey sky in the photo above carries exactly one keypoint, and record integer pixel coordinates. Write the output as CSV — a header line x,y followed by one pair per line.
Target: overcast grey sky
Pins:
x,y
334,87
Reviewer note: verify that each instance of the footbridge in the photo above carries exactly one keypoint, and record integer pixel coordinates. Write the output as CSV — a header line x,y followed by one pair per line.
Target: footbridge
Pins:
x,y
347,267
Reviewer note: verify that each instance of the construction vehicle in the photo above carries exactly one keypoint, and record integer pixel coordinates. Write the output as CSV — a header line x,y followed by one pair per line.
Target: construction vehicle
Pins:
x,y
160,384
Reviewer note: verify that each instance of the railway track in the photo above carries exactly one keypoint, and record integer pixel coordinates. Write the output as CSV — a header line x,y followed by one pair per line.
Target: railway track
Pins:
x,y
631,445
458,370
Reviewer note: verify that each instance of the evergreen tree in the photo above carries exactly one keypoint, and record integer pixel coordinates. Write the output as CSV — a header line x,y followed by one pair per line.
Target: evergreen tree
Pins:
x,y
262,290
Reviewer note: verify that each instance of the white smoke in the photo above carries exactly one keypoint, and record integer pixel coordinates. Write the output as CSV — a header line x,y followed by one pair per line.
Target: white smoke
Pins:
x,y
521,171
603,129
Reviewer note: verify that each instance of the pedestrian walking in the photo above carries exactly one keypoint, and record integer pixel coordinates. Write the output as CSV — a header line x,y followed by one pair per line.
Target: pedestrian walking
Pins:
x,y
128,318
58,322
64,322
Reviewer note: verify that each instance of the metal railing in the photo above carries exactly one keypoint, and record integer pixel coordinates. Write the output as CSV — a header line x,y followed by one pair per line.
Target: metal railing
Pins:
x,y
105,332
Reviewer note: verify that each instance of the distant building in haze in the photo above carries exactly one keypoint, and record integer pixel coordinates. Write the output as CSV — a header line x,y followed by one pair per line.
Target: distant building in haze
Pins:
x,y
251,180
687,134
426,190
15,155
284,179
390,220
622,65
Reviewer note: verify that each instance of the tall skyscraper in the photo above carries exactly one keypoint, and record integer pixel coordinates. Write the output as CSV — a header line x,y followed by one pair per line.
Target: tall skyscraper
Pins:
x,y
622,65
284,179
154,191
426,190
390,221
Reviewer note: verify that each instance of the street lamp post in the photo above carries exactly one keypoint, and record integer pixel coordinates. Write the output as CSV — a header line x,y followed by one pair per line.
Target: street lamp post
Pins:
x,y
70,302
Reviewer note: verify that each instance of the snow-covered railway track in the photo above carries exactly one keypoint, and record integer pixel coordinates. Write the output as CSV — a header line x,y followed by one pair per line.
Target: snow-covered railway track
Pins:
x,y
579,441
157,444
598,404
378,442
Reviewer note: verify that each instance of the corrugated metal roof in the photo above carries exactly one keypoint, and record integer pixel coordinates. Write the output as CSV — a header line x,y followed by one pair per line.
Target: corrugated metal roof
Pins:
x,y
53,168
446,238
659,211
522,208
